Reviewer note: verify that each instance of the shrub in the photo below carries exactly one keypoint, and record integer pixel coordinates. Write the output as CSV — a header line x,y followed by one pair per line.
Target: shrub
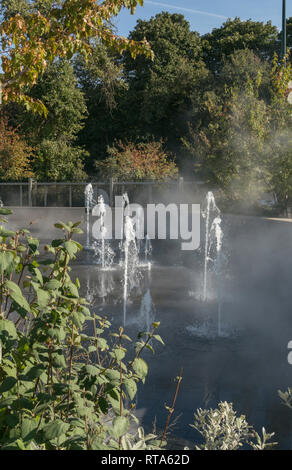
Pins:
x,y
222,429
138,162
15,154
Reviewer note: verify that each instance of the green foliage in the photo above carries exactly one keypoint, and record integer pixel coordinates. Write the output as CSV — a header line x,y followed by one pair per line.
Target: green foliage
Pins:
x,y
35,33
57,160
57,157
102,82
240,135
236,34
161,90
16,155
58,90
222,429
65,382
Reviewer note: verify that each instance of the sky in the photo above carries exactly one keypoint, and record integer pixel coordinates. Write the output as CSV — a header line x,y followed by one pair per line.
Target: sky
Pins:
x,y
204,15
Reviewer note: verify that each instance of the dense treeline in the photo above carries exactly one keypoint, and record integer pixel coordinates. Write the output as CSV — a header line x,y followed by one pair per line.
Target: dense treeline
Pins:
x,y
216,103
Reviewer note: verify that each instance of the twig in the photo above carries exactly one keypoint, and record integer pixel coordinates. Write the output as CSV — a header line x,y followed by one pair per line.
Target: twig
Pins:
x,y
171,409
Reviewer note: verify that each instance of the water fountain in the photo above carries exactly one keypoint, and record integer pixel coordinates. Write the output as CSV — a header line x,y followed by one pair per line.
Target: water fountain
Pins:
x,y
218,236
130,259
102,248
147,251
211,209
139,228
89,201
146,313
101,288
213,262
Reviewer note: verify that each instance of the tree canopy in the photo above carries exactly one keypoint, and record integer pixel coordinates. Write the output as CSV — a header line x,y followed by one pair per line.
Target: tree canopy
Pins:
x,y
35,32
218,102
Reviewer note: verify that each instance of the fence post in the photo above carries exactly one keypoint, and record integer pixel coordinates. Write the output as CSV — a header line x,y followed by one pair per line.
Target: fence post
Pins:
x,y
20,195
111,191
45,195
70,195
30,191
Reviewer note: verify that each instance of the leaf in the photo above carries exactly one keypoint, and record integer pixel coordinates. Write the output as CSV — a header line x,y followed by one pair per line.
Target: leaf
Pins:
x,y
34,372
6,259
7,328
73,289
55,429
119,353
71,248
121,425
38,275
131,387
140,367
103,404
102,344
7,384
5,211
33,244
6,233
27,428
93,371
16,295
59,361
43,298
113,375
58,242
158,338
53,284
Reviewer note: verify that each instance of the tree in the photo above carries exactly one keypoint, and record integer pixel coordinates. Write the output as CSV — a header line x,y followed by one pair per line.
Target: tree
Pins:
x,y
240,136
15,154
57,160
33,39
278,149
228,130
102,82
137,162
160,91
58,157
234,34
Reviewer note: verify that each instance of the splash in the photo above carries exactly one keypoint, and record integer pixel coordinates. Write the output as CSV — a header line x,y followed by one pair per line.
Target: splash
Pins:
x,y
89,201
130,260
102,247
211,209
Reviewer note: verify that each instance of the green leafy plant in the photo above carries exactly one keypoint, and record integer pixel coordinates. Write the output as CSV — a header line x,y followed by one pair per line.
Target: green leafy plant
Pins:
x,y
64,381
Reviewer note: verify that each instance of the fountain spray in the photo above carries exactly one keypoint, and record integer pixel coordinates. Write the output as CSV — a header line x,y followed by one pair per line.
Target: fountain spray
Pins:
x,y
211,207
216,227
130,236
88,204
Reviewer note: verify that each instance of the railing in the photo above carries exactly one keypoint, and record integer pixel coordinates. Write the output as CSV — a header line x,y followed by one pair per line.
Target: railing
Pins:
x,y
71,194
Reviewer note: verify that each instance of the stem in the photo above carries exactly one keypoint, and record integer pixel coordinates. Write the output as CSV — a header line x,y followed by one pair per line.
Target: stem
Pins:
x,y
171,409
121,386
150,336
70,363
96,338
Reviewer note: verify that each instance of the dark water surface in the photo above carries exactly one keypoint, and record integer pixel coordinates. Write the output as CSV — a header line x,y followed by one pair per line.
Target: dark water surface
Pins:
x,y
248,363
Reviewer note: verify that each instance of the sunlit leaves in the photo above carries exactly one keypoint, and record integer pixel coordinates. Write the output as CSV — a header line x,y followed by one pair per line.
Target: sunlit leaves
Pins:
x,y
29,43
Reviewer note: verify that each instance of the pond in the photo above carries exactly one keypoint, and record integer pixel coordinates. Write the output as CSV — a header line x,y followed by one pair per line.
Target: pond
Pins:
x,y
243,362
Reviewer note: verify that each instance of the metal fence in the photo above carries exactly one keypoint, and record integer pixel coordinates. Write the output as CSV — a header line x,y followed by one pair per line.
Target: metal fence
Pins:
x,y
71,194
